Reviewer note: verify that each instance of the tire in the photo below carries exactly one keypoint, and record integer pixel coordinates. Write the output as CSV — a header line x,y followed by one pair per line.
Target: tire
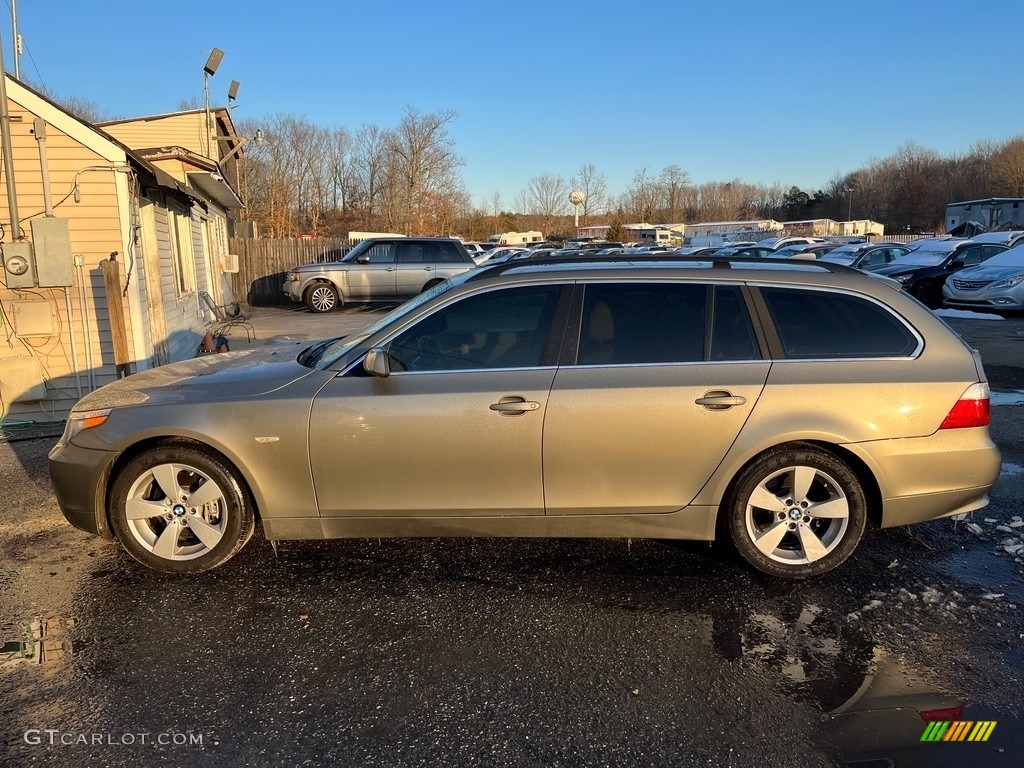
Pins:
x,y
784,534
322,297
176,536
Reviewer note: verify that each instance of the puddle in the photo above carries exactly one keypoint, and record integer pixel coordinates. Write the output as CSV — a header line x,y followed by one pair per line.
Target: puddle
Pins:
x,y
1006,398
37,642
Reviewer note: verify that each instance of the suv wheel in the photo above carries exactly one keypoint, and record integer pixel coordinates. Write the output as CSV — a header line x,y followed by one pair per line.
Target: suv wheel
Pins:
x,y
797,511
321,297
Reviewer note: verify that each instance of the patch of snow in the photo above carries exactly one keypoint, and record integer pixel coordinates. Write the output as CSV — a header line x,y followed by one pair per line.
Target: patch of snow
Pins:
x,y
967,314
1006,398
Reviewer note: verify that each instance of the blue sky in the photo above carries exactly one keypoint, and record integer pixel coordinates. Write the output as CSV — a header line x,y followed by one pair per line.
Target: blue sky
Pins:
x,y
793,92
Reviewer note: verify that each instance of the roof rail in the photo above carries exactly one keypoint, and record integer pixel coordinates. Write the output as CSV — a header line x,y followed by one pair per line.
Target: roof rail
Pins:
x,y
716,262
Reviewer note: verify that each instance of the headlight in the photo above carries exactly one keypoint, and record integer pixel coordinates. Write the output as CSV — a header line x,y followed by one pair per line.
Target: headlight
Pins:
x,y
291,277
81,421
903,278
1008,282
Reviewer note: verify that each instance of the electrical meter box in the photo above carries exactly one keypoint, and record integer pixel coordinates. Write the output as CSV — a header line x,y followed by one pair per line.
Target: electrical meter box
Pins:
x,y
52,243
19,270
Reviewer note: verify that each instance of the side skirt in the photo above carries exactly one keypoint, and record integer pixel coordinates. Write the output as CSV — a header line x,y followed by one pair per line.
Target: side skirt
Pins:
x,y
696,523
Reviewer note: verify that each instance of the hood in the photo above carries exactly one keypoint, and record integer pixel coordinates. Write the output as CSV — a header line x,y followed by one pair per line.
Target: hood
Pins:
x,y
229,375
901,269
993,273
321,266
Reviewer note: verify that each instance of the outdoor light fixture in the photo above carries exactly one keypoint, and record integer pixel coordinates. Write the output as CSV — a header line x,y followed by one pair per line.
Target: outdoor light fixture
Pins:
x,y
208,71
233,90
213,62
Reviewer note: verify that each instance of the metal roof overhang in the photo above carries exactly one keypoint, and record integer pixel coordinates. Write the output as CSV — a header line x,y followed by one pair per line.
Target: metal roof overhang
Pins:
x,y
216,188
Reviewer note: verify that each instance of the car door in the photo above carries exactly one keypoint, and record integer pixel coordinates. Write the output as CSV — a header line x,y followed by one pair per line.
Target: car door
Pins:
x,y
455,430
415,267
650,402
372,276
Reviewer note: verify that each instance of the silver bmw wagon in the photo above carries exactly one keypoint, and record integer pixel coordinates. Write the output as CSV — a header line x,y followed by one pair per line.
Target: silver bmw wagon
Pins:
x,y
782,405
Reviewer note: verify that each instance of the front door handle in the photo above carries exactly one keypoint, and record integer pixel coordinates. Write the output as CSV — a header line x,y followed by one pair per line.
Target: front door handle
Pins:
x,y
719,400
514,406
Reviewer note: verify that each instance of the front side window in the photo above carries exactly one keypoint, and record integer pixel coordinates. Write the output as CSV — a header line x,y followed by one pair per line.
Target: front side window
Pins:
x,y
375,253
507,328
820,324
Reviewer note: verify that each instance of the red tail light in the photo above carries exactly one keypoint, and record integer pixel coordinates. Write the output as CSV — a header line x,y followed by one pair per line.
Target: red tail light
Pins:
x,y
971,410
951,713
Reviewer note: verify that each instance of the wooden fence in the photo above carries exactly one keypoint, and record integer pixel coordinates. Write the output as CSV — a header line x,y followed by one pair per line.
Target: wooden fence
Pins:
x,y
262,265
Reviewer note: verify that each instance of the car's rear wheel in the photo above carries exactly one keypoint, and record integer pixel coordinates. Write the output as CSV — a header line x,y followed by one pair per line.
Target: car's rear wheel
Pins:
x,y
797,511
178,509
321,297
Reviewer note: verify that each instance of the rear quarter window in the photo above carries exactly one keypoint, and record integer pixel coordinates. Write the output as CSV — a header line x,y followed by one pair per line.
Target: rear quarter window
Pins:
x,y
826,324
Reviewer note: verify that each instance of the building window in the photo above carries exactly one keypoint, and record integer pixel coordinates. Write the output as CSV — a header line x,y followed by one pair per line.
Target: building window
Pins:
x,y
179,228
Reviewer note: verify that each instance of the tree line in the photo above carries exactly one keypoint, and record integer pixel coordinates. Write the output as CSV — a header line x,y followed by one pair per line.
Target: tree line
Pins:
x,y
308,179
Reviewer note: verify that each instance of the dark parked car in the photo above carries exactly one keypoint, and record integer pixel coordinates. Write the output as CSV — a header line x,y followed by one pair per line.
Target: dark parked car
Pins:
x,y
924,270
746,252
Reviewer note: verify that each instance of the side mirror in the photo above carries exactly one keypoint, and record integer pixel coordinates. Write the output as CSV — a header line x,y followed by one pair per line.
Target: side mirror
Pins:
x,y
376,362
363,259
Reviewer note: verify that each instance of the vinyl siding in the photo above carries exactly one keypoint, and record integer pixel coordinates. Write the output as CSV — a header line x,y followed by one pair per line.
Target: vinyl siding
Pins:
x,y
170,131
95,232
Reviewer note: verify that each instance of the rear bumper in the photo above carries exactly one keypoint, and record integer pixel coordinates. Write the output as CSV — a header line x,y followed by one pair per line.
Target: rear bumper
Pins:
x,y
928,478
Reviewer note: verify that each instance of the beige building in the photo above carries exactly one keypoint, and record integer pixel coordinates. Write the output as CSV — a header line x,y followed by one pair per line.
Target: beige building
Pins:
x,y
114,253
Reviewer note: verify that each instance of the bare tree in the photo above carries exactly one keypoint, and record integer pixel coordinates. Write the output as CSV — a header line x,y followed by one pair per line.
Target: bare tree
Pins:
x,y
594,185
425,162
673,181
1008,168
642,197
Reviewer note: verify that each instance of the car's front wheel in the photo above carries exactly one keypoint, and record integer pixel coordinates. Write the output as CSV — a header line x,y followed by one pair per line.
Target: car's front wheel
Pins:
x,y
797,511
178,509
321,297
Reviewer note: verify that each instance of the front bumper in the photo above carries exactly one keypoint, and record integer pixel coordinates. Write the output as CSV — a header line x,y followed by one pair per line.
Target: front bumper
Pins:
x,y
292,289
79,478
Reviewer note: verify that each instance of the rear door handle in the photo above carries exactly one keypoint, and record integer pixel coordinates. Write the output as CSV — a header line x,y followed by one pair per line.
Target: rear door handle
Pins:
x,y
514,406
719,400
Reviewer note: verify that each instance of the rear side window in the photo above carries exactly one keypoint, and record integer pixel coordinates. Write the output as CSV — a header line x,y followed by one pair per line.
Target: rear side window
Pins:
x,y
821,324
446,252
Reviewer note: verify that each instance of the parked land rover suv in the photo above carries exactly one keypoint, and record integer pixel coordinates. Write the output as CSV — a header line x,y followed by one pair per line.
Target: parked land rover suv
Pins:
x,y
378,269
780,404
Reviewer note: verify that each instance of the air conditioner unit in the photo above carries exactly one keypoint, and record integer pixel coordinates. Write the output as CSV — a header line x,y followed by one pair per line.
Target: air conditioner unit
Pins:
x,y
231,262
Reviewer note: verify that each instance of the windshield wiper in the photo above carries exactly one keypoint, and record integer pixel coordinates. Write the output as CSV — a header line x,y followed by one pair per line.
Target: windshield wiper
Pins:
x,y
310,355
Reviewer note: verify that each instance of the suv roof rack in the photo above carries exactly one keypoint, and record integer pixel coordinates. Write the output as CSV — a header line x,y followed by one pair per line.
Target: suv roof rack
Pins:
x,y
716,262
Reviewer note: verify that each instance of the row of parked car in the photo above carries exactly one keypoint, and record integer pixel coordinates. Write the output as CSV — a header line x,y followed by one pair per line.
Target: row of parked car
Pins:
x,y
982,273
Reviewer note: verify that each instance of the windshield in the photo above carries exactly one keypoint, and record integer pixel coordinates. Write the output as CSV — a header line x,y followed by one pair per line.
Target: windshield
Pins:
x,y
922,259
326,353
844,254
1011,258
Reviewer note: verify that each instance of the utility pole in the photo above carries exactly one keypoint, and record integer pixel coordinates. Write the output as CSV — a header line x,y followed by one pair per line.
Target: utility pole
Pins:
x,y
8,154
16,39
